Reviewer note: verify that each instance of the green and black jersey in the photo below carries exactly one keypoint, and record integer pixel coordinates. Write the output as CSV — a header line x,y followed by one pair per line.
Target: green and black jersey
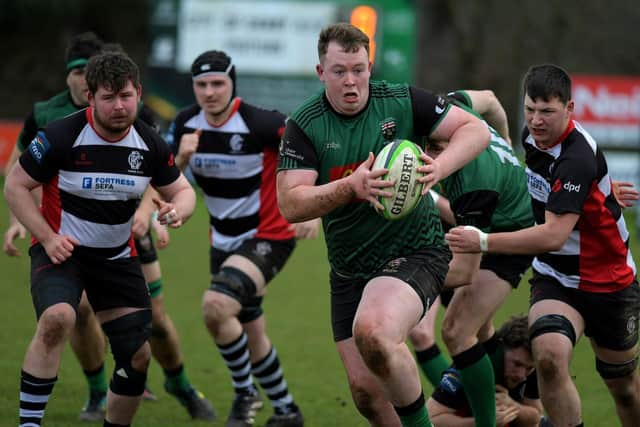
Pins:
x,y
316,137
490,192
43,113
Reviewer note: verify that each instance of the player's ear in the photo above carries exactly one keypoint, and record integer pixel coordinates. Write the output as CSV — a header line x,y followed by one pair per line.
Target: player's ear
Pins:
x,y
570,106
320,72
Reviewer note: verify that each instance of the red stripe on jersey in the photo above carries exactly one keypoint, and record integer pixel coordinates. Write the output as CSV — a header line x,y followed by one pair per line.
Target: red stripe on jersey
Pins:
x,y
338,172
234,109
603,253
51,206
272,224
132,246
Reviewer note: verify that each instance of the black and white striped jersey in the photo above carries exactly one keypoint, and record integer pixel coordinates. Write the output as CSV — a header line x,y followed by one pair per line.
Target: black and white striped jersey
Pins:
x,y
91,186
235,165
572,177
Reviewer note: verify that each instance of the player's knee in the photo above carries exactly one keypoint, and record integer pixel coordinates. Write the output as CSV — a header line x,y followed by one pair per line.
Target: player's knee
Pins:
x,y
251,310
553,324
618,375
230,282
55,324
373,347
128,337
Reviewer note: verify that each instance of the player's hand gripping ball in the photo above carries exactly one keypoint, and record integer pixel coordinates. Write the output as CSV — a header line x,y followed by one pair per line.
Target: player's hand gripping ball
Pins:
x,y
401,157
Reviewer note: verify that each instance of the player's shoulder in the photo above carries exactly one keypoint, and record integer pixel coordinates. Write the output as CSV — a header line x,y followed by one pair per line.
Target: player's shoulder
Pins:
x,y
254,115
384,89
312,108
58,100
68,127
147,132
186,113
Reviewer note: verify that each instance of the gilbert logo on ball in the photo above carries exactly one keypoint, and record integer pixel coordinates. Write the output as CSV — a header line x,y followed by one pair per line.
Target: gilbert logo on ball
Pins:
x,y
401,157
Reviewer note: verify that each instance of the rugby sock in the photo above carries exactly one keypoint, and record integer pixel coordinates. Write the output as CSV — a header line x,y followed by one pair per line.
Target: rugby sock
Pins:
x,y
34,395
415,414
268,373
176,380
236,357
433,363
476,373
496,354
108,424
97,379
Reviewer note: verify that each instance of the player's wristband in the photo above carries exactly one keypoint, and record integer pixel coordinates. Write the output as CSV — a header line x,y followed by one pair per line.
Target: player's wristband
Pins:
x,y
484,237
435,196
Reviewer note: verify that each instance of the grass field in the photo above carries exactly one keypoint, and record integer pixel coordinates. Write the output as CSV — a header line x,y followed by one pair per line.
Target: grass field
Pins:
x,y
297,310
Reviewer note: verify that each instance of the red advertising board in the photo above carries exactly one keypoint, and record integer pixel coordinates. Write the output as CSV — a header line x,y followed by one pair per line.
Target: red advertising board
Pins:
x,y
9,132
609,108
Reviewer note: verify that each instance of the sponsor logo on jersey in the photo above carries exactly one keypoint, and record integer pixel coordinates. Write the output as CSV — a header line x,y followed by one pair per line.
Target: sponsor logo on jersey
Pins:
x,y
171,161
135,160
557,185
202,162
236,144
101,183
537,184
388,128
82,160
39,147
286,151
332,146
571,188
450,381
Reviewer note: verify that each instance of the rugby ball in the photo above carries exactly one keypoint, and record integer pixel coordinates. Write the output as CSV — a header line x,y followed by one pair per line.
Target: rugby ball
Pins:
x,y
401,157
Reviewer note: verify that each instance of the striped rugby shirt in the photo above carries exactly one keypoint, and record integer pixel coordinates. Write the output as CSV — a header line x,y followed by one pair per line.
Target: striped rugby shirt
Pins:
x,y
91,186
572,177
235,165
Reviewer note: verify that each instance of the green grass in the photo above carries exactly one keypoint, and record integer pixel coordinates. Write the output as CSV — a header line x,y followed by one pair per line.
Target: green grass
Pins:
x,y
297,310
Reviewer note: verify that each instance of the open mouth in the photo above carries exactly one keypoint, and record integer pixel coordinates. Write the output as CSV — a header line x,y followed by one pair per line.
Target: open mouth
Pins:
x,y
350,97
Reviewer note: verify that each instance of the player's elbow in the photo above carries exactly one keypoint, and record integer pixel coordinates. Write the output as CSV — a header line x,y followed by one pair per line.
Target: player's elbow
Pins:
x,y
287,208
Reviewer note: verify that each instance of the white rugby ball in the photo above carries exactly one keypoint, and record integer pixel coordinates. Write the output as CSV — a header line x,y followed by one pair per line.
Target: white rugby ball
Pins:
x,y
401,157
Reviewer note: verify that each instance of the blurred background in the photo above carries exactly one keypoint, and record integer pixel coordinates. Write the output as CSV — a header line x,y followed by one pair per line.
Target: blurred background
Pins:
x,y
440,45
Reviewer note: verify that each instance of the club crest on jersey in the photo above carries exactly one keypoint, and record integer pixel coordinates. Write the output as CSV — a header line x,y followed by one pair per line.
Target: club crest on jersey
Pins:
x,y
262,249
388,128
135,160
236,144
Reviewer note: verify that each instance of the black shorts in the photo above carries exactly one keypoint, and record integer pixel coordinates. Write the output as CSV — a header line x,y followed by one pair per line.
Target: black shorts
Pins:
x,y
509,268
268,255
108,283
146,249
424,271
611,319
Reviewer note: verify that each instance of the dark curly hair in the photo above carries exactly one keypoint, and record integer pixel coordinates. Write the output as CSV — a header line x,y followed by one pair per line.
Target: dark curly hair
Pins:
x,y
514,333
111,70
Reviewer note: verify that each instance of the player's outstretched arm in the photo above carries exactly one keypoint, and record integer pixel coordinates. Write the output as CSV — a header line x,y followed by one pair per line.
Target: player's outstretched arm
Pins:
x,y
538,239
180,202
300,200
